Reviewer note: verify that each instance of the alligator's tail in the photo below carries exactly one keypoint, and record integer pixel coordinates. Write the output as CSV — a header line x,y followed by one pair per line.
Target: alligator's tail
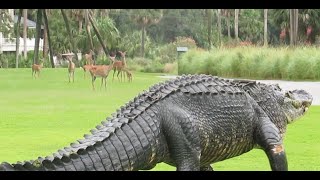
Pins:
x,y
128,148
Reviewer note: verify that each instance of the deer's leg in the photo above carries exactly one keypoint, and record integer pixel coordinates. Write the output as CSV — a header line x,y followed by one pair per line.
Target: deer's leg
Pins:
x,y
101,82
114,71
93,79
105,83
118,75
72,76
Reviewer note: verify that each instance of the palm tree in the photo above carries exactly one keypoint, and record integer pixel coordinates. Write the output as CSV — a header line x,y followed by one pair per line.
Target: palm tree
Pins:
x,y
236,23
209,25
98,34
265,41
18,38
79,14
144,18
293,26
48,35
69,33
88,30
219,26
25,16
227,14
38,33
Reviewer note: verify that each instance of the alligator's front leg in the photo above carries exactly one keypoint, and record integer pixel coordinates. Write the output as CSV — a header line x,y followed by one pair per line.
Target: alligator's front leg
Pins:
x,y
206,168
268,137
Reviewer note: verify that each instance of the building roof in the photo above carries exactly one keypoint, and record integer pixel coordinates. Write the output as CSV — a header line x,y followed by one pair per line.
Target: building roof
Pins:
x,y
30,24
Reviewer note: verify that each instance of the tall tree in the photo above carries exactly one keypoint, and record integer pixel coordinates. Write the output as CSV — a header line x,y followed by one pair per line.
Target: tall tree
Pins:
x,y
65,18
219,26
265,41
144,18
98,34
18,38
48,35
209,26
226,13
87,23
293,26
25,28
38,34
236,23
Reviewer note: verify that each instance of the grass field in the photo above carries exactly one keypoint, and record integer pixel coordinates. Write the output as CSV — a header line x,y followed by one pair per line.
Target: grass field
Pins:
x,y
39,116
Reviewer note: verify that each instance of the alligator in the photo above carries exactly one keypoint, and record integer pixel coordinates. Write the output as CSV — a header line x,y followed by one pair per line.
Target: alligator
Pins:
x,y
189,122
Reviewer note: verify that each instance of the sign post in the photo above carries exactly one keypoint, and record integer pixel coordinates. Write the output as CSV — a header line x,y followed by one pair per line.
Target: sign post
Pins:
x,y
180,50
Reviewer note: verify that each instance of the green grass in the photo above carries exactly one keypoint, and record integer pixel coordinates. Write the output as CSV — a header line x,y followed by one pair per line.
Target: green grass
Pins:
x,y
39,116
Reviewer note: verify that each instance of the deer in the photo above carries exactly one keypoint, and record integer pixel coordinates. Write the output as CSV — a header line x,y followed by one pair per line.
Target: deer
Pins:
x,y
71,67
89,58
128,73
36,68
100,71
119,65
86,69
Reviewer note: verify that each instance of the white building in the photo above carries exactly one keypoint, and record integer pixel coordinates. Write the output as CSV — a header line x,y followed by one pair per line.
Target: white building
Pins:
x,y
9,44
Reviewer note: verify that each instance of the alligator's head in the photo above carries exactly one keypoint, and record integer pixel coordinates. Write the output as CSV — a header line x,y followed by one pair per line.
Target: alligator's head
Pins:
x,y
293,104
296,103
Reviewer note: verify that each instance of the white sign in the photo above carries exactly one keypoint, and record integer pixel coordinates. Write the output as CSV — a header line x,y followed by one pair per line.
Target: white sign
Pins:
x,y
182,49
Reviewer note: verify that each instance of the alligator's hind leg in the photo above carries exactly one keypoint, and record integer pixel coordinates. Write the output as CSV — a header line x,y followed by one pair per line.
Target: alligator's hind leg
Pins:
x,y
268,137
183,139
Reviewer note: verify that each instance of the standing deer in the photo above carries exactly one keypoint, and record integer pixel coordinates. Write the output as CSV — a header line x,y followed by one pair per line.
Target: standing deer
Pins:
x,y
89,58
36,68
119,66
71,67
100,71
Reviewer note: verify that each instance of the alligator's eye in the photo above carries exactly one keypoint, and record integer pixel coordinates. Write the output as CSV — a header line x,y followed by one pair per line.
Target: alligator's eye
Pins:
x,y
288,94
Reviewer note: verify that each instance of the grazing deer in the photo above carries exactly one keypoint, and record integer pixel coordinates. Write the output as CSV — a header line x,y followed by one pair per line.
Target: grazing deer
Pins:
x,y
36,68
89,58
100,71
86,69
71,67
129,74
119,66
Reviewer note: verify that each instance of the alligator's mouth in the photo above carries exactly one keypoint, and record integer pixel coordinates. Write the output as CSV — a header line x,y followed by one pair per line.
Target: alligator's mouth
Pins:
x,y
298,103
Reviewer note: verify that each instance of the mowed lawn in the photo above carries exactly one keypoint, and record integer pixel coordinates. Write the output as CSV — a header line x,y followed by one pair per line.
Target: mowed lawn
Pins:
x,y
40,116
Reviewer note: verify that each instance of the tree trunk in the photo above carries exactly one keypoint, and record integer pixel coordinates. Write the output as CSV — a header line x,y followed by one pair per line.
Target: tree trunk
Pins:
x,y
209,26
49,41
18,38
142,40
88,31
45,43
25,16
80,26
265,41
219,26
69,33
38,34
98,35
293,26
236,22
228,25
296,27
